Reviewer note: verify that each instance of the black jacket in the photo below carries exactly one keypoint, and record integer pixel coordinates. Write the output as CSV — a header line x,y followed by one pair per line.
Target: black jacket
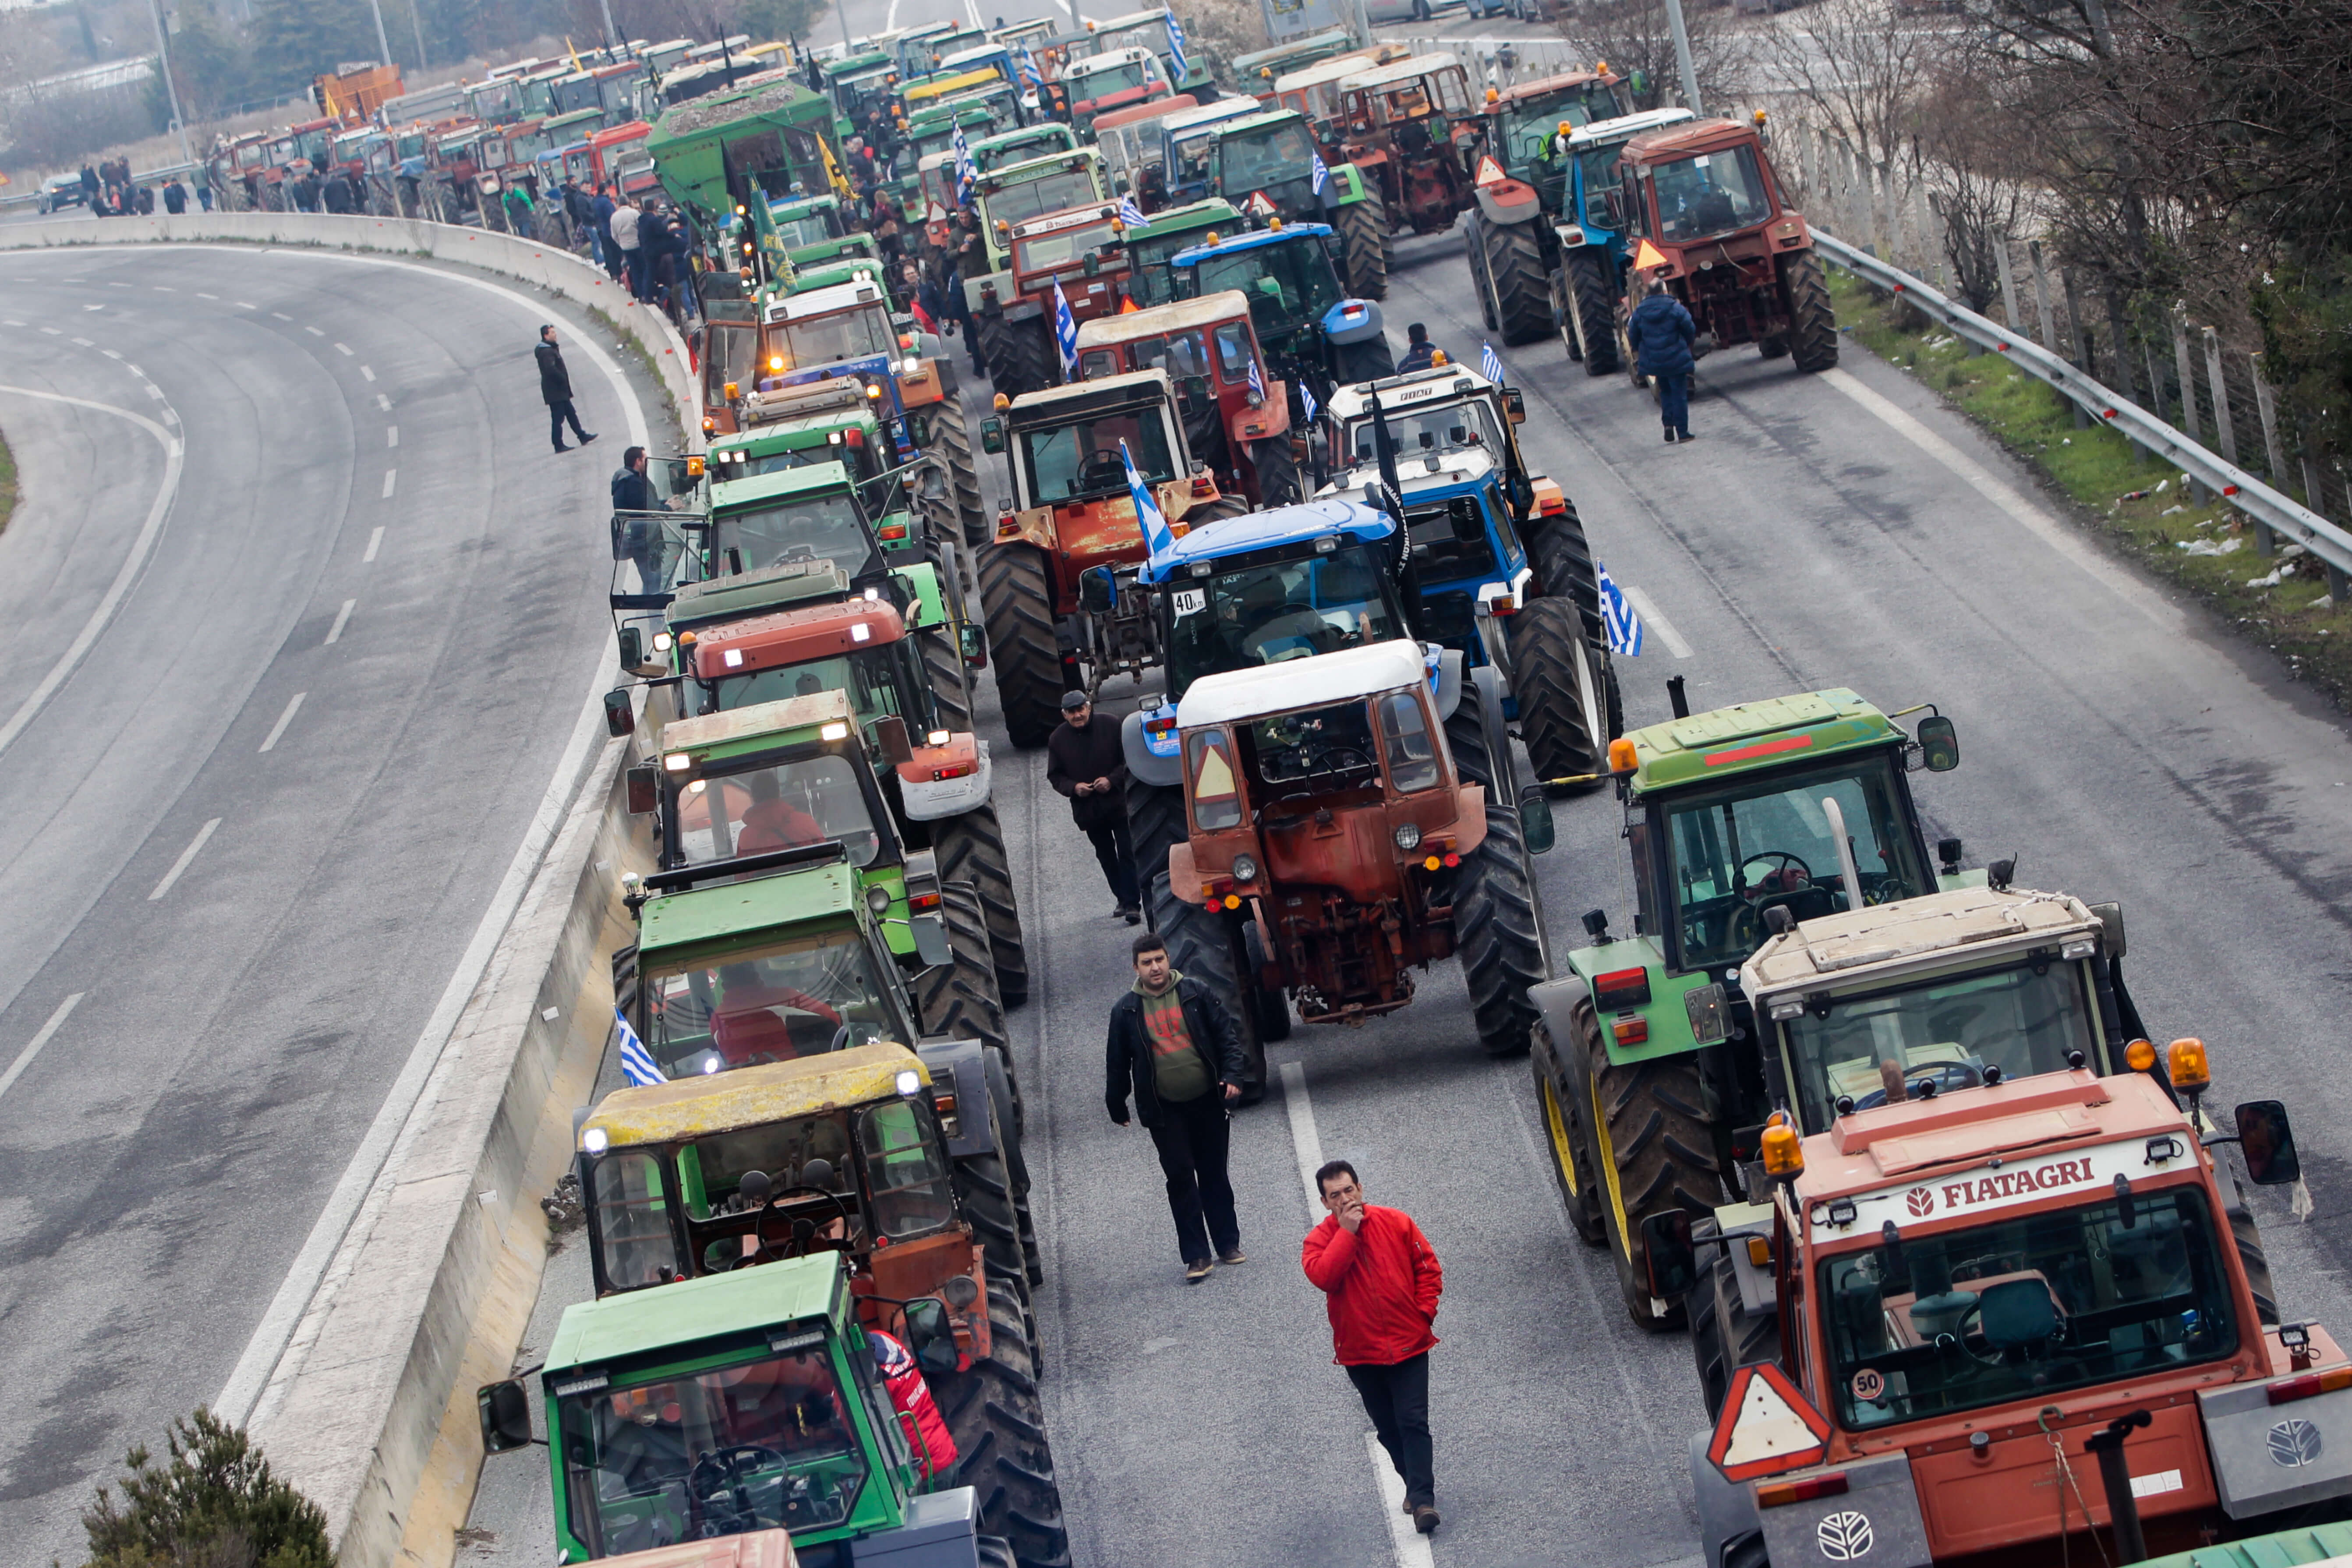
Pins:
x,y
1074,757
632,491
1127,1055
554,381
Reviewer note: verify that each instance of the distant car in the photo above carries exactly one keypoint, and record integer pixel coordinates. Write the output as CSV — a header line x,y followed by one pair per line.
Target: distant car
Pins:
x,y
1533,10
1417,10
63,191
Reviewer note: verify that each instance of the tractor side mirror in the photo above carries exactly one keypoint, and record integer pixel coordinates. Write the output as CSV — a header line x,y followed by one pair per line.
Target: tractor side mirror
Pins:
x,y
2268,1143
891,732
1940,743
1469,524
1119,185
930,1336
620,718
1514,404
1535,820
972,646
645,789
505,1411
1667,1255
1612,208
991,437
633,652
1097,592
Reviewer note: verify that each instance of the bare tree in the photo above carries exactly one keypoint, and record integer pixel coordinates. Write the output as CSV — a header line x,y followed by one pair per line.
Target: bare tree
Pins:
x,y
1860,68
1634,38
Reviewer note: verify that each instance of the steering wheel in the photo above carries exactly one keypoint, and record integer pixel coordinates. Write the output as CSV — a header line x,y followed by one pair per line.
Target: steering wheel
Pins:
x,y
1102,466
804,1240
1943,1074
715,1475
1786,861
1962,1333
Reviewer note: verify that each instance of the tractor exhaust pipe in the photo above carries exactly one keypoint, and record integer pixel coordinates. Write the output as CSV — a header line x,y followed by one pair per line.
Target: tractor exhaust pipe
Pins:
x,y
1837,813
1675,695
2122,1508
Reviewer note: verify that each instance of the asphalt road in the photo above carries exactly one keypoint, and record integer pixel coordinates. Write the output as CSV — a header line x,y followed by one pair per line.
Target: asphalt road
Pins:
x,y
305,617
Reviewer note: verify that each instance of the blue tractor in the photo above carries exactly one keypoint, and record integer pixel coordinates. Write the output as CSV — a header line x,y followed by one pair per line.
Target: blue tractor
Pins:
x,y
1591,277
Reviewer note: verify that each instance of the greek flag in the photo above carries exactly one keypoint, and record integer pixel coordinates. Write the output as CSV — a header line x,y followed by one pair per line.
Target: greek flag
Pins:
x,y
1157,539
1066,334
1617,613
1257,383
1490,363
1027,64
1176,45
965,173
1130,214
1307,399
1318,173
637,1063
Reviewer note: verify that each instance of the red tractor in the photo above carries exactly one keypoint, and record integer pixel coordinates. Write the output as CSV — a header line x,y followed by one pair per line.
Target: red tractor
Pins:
x,y
1702,206
1399,123
1082,249
1207,346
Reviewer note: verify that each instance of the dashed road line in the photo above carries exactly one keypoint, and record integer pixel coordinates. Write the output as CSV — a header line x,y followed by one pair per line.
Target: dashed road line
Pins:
x,y
85,342
390,475
186,857
247,305
392,435
53,332
160,288
375,543
314,332
33,1048
283,719
110,353
202,295
339,347
281,315
1657,621
343,619
363,370
381,400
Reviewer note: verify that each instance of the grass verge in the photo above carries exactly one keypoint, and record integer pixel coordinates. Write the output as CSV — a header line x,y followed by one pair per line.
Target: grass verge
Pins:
x,y
2143,507
7,485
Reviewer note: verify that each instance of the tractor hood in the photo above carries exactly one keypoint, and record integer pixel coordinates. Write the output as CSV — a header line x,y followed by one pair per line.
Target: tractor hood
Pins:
x,y
1233,536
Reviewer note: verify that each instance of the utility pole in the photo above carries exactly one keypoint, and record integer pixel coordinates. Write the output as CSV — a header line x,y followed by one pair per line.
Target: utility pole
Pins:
x,y
164,51
416,20
1363,27
382,44
1682,56
844,16
613,34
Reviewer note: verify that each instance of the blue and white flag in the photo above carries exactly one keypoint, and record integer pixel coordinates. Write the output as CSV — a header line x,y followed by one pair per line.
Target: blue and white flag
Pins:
x,y
1176,45
1490,363
1617,614
1157,538
1319,173
1307,399
965,173
637,1064
1130,214
1257,383
1030,75
1066,331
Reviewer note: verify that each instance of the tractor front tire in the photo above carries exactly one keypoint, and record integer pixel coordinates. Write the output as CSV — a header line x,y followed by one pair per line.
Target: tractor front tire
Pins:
x,y
1201,943
1563,320
1562,711
959,998
985,1195
1498,936
1155,824
1725,1336
1656,1153
998,1422
971,849
1521,305
1592,298
1812,324
1482,278
1277,472
1369,360
1018,605
953,437
1029,358
1364,240
1563,557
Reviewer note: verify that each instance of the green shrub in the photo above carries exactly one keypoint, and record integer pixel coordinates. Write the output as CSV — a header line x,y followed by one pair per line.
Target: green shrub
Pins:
x,y
215,1505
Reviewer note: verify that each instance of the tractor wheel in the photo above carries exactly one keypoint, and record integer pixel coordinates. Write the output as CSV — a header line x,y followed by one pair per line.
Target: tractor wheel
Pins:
x,y
1019,609
1029,358
1155,824
953,437
984,1194
1269,1005
1482,277
987,330
1277,472
995,1552
998,1422
1218,511
1591,299
1812,324
1364,239
944,669
1368,360
1561,708
1656,1153
971,849
1498,936
1563,557
1201,943
959,997
1519,304
1563,319
1481,744
1725,1336
1016,1167
2249,1238
1571,1152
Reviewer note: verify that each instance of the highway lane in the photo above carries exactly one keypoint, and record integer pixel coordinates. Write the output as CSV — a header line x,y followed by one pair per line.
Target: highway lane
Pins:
x,y
258,822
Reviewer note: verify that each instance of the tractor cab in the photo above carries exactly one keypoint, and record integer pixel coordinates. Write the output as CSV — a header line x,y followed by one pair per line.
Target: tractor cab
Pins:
x,y
1522,124
1189,141
1258,70
823,334
1313,90
812,513
1156,30
1170,230
1702,183
1400,122
1015,193
1083,250
1309,329
1132,147
1431,412
1263,164
1237,418
991,153
1112,79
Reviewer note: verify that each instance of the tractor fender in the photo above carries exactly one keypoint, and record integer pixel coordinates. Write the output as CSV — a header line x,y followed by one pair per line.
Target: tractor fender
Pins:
x,y
962,1065
977,291
1726,1509
1145,765
1352,321
1449,682
935,800
1508,201
1347,184
1558,1000
1247,425
1024,311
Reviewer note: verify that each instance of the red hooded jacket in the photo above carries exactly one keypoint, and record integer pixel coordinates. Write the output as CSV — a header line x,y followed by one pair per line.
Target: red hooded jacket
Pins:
x,y
1381,1285
911,1393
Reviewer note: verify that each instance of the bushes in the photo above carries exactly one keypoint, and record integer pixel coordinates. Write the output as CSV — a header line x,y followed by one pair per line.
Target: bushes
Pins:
x,y
215,1505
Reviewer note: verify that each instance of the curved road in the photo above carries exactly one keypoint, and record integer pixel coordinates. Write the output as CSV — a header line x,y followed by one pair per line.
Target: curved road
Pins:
x,y
306,616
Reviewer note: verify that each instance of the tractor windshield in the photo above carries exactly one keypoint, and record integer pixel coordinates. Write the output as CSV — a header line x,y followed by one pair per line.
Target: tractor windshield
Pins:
x,y
774,804
1067,188
1317,750
807,227
1735,851
768,1444
1714,192
1457,535
1945,1031
828,340
1266,155
1289,283
871,676
799,999
1449,429
1113,77
1037,143
1152,281
1265,614
1598,167
905,1192
805,528
1530,124
2026,1308
1072,462
1066,248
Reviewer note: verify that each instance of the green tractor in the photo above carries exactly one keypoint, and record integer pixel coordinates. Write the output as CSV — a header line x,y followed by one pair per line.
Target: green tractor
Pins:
x,y
1010,327
764,140
856,84
1151,280
813,232
1263,164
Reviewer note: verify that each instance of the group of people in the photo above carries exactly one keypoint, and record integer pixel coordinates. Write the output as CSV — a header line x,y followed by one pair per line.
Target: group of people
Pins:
x,y
339,191
110,190
645,249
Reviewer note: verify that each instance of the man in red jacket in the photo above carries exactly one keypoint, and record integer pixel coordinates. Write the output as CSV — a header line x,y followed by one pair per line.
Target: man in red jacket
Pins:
x,y
1380,1284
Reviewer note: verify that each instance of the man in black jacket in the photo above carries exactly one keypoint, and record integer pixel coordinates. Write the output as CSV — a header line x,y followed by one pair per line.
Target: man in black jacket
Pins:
x,y
1176,1048
1085,761
555,390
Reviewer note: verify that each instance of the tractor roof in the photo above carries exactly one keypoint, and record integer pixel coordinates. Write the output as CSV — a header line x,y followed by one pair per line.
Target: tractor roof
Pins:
x,y
706,730
1262,119
1284,51
1094,65
763,591
1776,730
754,1096
1607,132
1052,130
1192,214
1982,926
1687,140
1416,389
1355,62
1158,321
1316,682
1069,217
1231,536
595,1334
797,637
780,484
1109,390
1210,113
1037,168
1407,69
823,301
1543,86
1193,255
1150,108
837,393
1129,20
769,905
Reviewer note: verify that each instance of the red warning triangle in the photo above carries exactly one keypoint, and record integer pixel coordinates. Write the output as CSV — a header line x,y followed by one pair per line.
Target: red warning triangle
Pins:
x,y
1490,173
1767,1426
1259,204
1646,255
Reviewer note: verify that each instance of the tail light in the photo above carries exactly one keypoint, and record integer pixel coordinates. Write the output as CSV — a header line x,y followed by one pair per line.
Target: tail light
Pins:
x,y
854,438
1504,604
1621,988
1553,505
929,901
1780,1494
1160,729
1203,487
890,532
956,771
1006,527
2286,1391
1631,1031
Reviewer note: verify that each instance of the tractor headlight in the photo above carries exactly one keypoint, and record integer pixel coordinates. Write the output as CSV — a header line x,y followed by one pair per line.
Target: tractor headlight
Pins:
x,y
910,365
710,1064
596,1141
1244,869
1408,837
663,642
911,1082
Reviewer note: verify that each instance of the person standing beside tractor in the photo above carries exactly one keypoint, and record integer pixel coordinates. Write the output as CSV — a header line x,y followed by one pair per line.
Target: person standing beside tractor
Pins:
x,y
1085,761
1660,332
1419,351
1175,1047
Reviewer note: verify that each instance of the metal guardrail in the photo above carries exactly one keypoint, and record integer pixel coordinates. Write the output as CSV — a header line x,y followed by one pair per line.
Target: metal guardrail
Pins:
x,y
2265,507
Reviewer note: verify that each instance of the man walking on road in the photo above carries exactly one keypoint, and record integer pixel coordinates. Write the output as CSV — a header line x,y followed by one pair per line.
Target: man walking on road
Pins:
x,y
1176,1048
1085,761
555,389
1380,1283
1661,331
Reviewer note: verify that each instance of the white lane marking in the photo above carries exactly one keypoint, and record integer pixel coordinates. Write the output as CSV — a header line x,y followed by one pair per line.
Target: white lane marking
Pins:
x,y
339,348
381,400
33,1048
375,541
392,435
1304,1140
161,290
187,856
53,332
363,370
2033,519
1658,622
1411,1545
85,342
283,719
12,321
133,561
247,305
109,354
281,315
314,332
342,618
134,370
390,475
118,285
202,295
154,392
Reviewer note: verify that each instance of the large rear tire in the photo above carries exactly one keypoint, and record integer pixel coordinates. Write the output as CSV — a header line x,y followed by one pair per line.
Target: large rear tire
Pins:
x,y
953,437
992,1412
1564,314
1205,947
1725,1336
1563,557
1656,1153
1562,709
1269,1005
959,997
1019,607
1514,273
1155,824
971,849
1572,1169
1499,936
1029,359
1482,278
945,672
1369,360
1592,297
1277,473
1364,239
985,1195
1813,323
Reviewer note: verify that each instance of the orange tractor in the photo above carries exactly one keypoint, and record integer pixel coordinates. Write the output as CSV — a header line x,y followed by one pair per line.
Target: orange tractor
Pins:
x,y
1243,430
